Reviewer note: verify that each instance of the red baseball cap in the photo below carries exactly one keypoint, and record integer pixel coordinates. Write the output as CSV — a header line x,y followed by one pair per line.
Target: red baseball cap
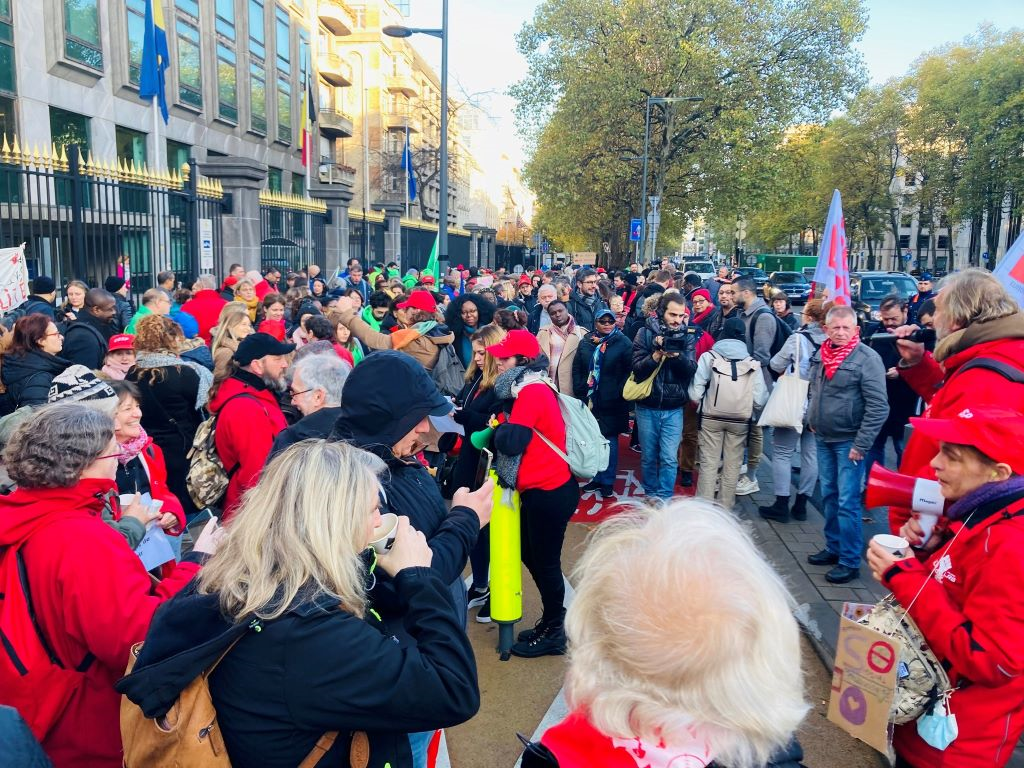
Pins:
x,y
601,271
121,341
419,300
427,279
993,430
525,278
516,343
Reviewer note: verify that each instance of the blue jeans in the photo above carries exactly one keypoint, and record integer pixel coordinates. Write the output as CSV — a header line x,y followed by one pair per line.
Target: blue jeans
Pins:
x,y
840,480
660,433
419,743
877,452
606,477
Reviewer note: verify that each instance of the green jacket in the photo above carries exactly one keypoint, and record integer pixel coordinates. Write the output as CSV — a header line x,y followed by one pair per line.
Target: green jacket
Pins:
x,y
369,319
139,314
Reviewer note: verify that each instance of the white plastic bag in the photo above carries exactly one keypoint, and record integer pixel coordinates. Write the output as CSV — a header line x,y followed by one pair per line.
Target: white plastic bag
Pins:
x,y
788,401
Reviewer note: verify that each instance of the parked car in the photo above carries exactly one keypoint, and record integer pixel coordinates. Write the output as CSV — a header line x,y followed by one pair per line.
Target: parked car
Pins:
x,y
808,272
703,267
793,284
754,273
869,289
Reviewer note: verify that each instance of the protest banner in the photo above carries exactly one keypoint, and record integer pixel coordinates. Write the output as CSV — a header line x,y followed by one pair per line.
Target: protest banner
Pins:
x,y
863,682
14,287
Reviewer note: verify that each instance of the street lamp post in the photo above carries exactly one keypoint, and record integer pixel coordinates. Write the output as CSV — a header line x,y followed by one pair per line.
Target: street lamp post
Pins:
x,y
442,34
647,146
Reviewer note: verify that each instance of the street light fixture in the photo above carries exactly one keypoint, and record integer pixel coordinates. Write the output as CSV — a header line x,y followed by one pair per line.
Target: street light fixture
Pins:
x,y
647,148
395,30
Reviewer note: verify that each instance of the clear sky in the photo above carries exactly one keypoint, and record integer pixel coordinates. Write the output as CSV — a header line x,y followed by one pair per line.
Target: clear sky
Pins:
x,y
483,59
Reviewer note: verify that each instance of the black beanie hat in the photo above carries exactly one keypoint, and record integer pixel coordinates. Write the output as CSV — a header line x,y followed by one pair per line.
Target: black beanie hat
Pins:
x,y
734,328
113,284
43,285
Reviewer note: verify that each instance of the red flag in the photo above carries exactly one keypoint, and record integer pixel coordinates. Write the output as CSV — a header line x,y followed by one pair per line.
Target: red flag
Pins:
x,y
833,270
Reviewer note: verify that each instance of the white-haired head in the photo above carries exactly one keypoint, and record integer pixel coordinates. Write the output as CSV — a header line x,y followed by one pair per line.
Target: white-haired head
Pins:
x,y
679,623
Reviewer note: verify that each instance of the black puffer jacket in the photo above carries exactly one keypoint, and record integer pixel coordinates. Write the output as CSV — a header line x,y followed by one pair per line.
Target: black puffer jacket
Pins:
x,y
28,377
609,407
477,407
673,380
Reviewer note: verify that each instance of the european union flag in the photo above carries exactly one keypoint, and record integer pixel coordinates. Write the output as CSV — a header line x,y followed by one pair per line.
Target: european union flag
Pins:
x,y
407,167
155,57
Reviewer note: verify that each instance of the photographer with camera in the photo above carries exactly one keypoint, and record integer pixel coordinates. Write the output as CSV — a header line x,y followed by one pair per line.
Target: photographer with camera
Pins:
x,y
664,348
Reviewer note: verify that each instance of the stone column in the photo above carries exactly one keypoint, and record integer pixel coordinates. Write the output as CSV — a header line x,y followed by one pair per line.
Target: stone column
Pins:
x,y
490,244
473,259
242,178
337,197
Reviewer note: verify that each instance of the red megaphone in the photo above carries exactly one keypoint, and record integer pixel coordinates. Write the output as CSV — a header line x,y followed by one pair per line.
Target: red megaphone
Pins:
x,y
891,489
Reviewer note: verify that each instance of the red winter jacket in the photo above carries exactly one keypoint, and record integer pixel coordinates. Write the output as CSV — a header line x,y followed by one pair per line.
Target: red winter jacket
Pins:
x,y
971,612
246,429
205,307
153,462
92,595
948,392
536,407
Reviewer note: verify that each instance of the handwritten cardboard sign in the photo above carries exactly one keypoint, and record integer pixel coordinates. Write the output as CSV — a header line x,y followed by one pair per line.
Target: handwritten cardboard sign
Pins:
x,y
864,682
14,288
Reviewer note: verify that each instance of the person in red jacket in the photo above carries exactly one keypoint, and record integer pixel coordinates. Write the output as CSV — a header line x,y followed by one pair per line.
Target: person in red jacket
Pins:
x,y
980,348
248,414
548,492
205,305
91,595
964,588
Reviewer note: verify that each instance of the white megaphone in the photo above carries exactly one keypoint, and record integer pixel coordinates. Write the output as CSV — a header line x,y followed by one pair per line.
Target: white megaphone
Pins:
x,y
891,489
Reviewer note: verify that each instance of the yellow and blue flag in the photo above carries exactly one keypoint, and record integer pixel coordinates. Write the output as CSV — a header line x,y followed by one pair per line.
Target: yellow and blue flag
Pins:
x,y
155,57
407,167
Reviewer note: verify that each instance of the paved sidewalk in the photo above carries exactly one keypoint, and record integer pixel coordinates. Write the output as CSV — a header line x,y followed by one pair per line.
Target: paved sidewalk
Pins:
x,y
787,545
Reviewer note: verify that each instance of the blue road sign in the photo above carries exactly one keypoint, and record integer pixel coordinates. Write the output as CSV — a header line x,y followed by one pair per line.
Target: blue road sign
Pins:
x,y
634,230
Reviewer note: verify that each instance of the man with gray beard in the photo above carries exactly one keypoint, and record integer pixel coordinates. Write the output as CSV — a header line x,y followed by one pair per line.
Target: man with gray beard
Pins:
x,y
248,414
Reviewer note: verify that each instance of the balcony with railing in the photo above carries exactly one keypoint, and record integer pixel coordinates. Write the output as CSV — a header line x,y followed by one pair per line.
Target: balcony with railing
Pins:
x,y
334,173
334,69
399,120
336,16
334,123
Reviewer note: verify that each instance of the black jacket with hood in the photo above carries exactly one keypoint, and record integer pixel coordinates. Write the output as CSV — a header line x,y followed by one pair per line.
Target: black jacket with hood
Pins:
x,y
314,669
375,417
318,424
28,377
86,340
673,380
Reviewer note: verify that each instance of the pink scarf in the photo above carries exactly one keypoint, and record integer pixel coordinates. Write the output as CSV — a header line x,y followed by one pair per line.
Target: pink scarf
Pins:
x,y
133,447
117,371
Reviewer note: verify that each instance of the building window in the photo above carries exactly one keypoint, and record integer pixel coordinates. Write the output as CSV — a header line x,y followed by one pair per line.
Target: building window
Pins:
x,y
258,98
136,36
8,82
68,129
284,110
359,16
227,84
177,154
225,23
190,72
257,30
904,242
10,181
191,7
943,242
922,240
283,41
274,179
298,184
82,32
131,146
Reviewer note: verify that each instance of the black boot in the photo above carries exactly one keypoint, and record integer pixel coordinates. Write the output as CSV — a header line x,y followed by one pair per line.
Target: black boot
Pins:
x,y
779,511
548,640
799,511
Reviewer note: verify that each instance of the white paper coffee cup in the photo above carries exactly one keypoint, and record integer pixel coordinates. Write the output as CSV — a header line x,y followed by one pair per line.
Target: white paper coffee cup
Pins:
x,y
384,534
894,545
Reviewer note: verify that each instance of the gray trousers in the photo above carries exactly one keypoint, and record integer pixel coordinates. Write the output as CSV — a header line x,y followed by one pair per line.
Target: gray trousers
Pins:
x,y
784,445
725,440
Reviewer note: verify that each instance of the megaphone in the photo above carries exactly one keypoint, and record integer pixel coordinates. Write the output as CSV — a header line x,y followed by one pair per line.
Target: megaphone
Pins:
x,y
891,489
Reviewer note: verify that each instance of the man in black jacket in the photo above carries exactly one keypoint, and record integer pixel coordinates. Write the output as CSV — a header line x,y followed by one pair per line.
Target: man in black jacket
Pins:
x,y
124,310
393,423
86,339
665,348
584,301
317,381
40,301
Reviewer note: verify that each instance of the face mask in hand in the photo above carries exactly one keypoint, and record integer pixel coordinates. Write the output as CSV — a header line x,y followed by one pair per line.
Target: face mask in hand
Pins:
x,y
938,729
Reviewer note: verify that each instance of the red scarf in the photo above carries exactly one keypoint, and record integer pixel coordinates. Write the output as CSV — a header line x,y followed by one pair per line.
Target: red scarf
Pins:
x,y
832,357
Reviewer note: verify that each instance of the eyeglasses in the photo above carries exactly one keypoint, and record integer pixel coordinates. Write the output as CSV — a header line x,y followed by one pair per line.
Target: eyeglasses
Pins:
x,y
605,320
590,282
109,456
55,333
295,394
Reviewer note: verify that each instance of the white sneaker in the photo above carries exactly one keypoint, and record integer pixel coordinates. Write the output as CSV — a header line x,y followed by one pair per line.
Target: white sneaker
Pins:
x,y
745,486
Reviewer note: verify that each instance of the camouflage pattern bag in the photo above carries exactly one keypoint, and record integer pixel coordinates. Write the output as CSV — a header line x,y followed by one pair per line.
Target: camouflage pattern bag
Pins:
x,y
207,479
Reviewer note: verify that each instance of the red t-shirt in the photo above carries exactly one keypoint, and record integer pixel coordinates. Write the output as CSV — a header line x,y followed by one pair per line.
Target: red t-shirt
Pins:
x,y
536,407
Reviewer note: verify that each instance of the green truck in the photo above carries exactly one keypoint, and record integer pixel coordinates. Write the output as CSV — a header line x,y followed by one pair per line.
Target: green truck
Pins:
x,y
783,262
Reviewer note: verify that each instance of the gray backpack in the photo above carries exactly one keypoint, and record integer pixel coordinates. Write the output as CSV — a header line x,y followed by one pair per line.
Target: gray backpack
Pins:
x,y
448,372
730,392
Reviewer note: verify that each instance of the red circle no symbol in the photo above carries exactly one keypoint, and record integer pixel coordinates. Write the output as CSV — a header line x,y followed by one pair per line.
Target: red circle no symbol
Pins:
x,y
881,657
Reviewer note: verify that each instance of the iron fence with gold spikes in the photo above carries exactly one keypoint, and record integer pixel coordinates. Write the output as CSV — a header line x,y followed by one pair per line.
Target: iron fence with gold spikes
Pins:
x,y
81,216
293,230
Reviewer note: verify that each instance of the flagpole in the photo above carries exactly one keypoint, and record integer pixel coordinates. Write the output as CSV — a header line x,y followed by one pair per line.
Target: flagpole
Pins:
x,y
407,164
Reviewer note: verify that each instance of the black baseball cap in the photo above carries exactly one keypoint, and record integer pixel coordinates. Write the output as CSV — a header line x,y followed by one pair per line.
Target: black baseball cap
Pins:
x,y
257,345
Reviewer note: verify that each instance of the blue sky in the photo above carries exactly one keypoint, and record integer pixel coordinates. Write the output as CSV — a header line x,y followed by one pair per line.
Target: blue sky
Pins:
x,y
483,57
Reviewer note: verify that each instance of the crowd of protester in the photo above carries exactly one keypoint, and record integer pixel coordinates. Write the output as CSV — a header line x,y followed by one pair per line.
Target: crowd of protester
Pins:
x,y
398,386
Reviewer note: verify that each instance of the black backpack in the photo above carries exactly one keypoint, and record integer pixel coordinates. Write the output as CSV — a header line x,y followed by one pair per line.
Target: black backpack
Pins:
x,y
782,331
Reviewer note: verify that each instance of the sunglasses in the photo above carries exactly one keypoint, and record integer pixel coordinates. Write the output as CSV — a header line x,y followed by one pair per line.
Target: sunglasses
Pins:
x,y
605,320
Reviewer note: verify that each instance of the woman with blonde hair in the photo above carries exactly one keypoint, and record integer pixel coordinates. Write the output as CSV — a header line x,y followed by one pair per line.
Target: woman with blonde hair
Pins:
x,y
172,393
287,602
245,292
682,648
475,405
233,325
